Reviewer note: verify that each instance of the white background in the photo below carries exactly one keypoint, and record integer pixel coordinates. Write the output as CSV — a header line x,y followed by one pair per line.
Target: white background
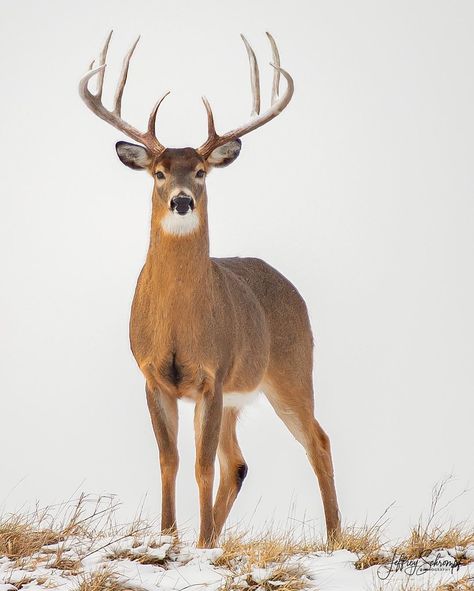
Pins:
x,y
361,193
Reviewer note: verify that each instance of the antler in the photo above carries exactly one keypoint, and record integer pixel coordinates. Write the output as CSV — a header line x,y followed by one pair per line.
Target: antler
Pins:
x,y
94,101
214,140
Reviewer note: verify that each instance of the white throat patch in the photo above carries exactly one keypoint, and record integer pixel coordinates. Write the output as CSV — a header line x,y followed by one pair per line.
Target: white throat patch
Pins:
x,y
180,225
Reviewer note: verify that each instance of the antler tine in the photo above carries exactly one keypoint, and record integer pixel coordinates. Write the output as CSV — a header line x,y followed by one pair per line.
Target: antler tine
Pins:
x,y
102,58
94,102
123,79
278,104
211,129
83,89
276,72
254,78
152,118
96,106
212,136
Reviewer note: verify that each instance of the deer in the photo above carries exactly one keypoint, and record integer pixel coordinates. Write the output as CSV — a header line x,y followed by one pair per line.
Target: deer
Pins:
x,y
212,330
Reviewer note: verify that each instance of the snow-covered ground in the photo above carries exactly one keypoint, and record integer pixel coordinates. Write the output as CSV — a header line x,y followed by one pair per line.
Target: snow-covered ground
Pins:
x,y
68,564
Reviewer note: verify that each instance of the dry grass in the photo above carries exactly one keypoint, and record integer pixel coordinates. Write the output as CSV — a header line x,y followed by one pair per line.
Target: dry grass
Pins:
x,y
423,541
428,536
60,539
145,540
245,554
262,550
20,537
284,578
143,557
464,584
49,532
269,547
140,557
23,582
104,580
288,577
364,541
66,565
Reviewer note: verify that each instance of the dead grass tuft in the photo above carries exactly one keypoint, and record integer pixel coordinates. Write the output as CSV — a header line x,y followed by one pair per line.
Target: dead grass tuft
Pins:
x,y
282,577
428,536
67,565
464,584
260,562
23,536
365,541
20,538
141,557
270,548
262,550
368,559
285,577
358,540
422,541
105,580
145,543
21,583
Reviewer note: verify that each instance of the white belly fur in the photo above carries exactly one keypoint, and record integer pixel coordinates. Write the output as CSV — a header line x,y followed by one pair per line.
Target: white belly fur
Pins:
x,y
239,399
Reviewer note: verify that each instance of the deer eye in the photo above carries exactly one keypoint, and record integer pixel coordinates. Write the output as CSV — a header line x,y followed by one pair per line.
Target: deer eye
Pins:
x,y
200,174
160,175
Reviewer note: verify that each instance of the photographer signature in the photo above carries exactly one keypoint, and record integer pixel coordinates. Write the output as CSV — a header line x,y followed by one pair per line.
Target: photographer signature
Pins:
x,y
418,566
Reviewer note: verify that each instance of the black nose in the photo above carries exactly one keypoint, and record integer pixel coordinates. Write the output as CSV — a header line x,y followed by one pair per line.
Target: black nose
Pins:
x,y
182,203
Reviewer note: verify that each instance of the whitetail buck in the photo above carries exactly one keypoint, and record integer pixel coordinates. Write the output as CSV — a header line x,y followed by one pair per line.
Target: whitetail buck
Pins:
x,y
213,330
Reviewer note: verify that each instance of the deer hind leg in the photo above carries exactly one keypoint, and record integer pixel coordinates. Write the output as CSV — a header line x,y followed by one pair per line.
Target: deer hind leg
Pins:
x,y
295,409
233,468
164,417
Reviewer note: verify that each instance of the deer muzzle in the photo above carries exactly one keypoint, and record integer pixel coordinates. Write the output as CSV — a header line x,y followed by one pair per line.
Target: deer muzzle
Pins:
x,y
182,204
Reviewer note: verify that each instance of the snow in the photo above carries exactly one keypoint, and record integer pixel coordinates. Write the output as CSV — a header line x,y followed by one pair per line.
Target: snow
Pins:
x,y
196,568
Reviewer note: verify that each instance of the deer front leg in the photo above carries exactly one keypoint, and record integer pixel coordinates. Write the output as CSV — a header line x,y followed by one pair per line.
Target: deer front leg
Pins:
x,y
233,468
164,417
207,423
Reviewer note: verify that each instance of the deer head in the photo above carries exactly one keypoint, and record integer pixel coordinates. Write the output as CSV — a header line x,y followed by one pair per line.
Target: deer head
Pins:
x,y
180,173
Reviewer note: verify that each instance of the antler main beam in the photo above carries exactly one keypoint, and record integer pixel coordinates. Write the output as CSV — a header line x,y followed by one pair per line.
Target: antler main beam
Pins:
x,y
114,117
214,140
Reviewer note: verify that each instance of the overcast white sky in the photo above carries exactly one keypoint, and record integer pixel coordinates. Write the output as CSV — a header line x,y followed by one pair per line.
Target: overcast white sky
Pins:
x,y
361,193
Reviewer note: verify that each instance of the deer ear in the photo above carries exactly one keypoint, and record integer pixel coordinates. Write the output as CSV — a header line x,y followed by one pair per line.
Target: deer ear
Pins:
x,y
133,155
225,155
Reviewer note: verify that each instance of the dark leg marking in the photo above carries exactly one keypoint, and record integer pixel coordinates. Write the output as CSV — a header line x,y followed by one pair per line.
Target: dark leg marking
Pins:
x,y
242,471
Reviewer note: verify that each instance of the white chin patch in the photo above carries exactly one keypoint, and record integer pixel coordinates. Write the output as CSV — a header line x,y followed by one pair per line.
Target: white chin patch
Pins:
x,y
180,225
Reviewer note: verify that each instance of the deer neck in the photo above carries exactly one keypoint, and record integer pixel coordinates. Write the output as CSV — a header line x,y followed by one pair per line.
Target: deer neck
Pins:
x,y
179,265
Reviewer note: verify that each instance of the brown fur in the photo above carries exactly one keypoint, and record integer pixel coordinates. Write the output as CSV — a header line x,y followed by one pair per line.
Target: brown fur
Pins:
x,y
202,326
